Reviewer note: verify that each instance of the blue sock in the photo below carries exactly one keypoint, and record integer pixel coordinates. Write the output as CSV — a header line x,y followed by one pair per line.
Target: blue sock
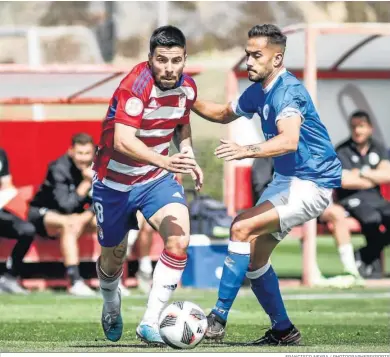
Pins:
x,y
233,274
265,285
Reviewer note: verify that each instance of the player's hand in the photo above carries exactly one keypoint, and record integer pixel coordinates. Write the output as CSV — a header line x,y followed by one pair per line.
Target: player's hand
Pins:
x,y
197,176
196,173
88,173
180,163
229,151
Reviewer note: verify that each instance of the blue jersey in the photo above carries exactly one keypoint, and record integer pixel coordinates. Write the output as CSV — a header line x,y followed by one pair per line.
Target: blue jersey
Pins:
x,y
315,159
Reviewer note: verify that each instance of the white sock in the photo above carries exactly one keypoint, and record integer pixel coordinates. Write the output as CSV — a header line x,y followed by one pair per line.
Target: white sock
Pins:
x,y
167,274
347,258
316,271
145,265
109,286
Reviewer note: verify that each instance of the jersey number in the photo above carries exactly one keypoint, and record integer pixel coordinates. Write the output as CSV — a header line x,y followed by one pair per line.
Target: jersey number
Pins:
x,y
99,212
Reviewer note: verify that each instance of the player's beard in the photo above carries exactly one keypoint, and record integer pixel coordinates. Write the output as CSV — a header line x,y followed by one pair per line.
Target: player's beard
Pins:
x,y
160,84
166,86
256,77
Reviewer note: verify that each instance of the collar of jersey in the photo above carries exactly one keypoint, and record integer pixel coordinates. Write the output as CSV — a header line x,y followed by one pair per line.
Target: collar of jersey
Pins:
x,y
269,87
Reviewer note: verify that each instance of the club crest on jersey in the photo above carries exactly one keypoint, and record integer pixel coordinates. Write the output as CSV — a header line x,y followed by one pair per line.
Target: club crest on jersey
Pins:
x,y
134,106
266,111
373,158
182,100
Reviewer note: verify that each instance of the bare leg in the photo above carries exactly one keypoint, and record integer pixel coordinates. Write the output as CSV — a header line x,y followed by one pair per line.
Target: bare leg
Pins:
x,y
70,228
109,268
336,215
145,269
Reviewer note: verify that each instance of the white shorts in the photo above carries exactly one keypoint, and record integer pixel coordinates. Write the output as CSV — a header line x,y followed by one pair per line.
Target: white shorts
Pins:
x,y
297,201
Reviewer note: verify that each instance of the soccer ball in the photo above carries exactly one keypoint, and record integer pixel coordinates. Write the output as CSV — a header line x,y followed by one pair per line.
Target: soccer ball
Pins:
x,y
182,325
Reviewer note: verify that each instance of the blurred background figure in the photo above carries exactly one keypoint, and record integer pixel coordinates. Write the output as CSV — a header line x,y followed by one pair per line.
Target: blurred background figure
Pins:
x,y
12,227
145,268
366,165
62,206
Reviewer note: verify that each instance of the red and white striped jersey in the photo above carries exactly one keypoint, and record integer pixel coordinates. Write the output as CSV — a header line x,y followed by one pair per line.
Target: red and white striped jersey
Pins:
x,y
138,102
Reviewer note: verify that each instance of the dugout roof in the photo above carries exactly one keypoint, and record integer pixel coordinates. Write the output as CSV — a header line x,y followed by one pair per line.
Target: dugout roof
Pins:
x,y
62,84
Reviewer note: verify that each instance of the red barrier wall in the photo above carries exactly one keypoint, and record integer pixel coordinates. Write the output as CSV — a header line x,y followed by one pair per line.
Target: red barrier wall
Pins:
x,y
32,145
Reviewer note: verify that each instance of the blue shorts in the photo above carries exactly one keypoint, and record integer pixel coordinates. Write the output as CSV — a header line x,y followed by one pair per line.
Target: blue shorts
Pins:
x,y
116,211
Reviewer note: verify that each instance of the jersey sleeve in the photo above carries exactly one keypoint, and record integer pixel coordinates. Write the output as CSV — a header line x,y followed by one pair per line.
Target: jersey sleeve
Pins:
x,y
289,102
191,92
246,104
130,108
4,169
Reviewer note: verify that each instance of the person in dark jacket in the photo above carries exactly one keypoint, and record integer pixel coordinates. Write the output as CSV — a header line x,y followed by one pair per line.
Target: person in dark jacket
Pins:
x,y
366,163
62,208
12,227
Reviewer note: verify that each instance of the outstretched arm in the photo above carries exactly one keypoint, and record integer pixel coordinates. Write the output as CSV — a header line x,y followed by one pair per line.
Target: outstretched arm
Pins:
x,y
214,112
283,143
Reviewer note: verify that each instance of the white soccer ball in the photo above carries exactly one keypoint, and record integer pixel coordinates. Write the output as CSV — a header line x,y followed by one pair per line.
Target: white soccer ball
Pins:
x,y
182,325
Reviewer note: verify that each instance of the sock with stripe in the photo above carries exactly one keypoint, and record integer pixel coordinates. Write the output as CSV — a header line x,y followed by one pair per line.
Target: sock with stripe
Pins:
x,y
233,274
167,274
265,285
109,286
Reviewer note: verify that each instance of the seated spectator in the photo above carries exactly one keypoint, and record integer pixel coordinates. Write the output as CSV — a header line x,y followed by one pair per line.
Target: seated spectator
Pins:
x,y
145,268
366,165
337,216
144,238
12,227
262,171
62,206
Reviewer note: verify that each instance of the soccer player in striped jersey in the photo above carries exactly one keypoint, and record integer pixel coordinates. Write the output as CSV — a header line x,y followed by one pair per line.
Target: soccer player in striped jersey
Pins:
x,y
134,172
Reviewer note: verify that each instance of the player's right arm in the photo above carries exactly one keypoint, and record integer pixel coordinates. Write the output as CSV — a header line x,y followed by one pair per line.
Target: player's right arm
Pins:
x,y
126,142
226,113
214,112
128,119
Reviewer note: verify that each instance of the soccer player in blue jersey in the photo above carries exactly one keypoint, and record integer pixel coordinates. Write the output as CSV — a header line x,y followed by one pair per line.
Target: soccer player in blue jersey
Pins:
x,y
306,171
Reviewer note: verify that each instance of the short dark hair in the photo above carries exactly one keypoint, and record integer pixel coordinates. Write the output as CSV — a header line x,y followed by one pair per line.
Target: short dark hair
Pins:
x,y
82,139
167,36
272,32
361,114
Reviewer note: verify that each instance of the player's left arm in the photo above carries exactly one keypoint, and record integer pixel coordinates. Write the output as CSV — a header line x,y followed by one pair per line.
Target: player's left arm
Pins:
x,y
183,142
285,142
289,105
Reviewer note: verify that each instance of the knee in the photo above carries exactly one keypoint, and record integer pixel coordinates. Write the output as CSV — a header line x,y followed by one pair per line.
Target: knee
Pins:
x,y
177,245
27,230
73,227
111,264
239,232
148,228
337,214
108,266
